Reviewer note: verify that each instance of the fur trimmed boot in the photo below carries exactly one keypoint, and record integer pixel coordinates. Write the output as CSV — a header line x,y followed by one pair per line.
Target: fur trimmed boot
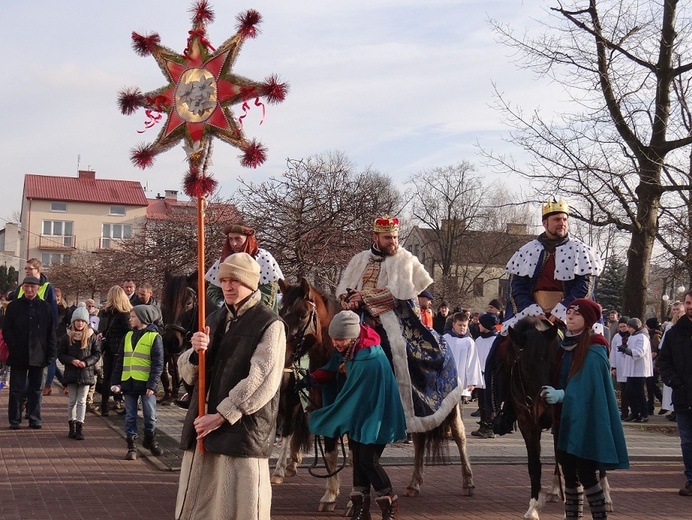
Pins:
x,y
151,443
78,431
389,504
360,506
131,447
72,432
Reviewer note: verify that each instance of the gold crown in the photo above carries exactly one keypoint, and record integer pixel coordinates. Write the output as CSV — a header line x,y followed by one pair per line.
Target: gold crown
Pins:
x,y
385,224
555,206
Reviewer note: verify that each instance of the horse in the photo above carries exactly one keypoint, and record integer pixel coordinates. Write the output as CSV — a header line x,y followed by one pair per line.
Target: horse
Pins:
x,y
531,356
179,312
307,312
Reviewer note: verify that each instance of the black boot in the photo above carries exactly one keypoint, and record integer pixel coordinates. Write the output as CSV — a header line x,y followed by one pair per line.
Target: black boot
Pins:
x,y
131,447
485,431
78,431
360,506
151,444
389,504
71,435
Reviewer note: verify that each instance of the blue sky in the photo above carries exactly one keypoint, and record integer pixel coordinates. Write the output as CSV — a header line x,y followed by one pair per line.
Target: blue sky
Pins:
x,y
397,85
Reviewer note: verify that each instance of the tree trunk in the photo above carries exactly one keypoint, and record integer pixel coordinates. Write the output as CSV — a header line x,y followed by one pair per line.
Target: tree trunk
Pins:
x,y
641,248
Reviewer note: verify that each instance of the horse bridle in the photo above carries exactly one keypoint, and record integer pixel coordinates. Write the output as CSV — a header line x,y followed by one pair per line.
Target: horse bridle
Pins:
x,y
185,331
311,325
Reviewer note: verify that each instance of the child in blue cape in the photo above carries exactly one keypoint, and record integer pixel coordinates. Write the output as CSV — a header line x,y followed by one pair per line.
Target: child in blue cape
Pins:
x,y
367,408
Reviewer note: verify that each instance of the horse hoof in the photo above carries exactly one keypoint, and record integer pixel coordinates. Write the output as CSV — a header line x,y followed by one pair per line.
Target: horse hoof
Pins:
x,y
277,479
467,492
290,472
609,507
552,497
411,492
326,507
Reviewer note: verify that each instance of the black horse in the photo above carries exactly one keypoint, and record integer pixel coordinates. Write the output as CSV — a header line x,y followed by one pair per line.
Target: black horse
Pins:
x,y
179,311
531,355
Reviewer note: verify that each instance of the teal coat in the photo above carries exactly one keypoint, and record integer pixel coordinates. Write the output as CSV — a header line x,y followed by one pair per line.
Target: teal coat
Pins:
x,y
367,407
590,426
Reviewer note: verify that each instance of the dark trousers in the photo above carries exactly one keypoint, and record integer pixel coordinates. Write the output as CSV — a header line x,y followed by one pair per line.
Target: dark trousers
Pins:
x,y
578,471
109,361
635,389
482,407
624,400
169,377
27,381
653,391
367,470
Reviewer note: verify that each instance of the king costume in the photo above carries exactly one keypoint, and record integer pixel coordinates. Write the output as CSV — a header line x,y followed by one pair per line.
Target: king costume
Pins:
x,y
546,275
425,369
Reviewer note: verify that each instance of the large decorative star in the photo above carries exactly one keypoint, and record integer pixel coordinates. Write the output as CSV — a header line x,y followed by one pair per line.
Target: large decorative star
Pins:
x,y
198,98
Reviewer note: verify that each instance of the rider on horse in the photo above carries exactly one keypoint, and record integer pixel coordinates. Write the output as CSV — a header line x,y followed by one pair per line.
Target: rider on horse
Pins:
x,y
383,284
545,276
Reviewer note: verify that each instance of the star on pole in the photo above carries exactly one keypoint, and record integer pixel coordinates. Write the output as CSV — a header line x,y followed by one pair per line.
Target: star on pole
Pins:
x,y
195,104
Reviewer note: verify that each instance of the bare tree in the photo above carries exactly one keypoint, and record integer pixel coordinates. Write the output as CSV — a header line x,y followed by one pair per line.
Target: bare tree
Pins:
x,y
317,214
623,147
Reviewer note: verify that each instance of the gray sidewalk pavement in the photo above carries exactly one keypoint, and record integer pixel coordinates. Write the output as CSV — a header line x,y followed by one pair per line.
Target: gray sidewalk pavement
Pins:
x,y
45,475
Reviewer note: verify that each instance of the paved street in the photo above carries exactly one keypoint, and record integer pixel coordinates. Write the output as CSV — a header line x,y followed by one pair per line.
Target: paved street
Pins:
x,y
48,476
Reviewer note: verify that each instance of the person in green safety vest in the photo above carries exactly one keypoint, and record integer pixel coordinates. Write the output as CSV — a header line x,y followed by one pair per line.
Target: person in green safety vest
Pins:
x,y
137,376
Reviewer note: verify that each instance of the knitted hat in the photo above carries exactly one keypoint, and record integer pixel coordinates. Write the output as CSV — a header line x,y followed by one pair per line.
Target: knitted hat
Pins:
x,y
495,303
241,267
653,323
146,313
80,313
488,320
624,319
589,309
345,325
635,323
31,280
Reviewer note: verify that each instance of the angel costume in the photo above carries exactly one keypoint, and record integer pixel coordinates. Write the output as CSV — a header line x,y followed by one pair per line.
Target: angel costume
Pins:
x,y
424,368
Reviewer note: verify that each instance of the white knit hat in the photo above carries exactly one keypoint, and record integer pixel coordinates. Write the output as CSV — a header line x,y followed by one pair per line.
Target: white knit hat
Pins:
x,y
241,267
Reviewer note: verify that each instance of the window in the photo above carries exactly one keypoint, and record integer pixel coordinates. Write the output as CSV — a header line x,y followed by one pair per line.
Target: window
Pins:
x,y
58,206
478,287
112,232
117,210
61,230
49,259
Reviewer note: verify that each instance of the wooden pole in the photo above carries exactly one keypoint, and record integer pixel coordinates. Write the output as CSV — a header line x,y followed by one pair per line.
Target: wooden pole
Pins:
x,y
201,311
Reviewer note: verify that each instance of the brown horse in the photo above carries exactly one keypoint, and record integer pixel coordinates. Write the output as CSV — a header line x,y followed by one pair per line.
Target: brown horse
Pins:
x,y
307,312
531,355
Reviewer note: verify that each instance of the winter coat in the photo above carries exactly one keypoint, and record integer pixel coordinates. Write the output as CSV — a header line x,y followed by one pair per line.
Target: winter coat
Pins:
x,y
70,349
640,363
674,362
113,327
132,386
29,331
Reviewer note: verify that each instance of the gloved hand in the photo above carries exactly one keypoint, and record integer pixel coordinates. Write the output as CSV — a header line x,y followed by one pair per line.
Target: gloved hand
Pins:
x,y
552,395
625,350
304,383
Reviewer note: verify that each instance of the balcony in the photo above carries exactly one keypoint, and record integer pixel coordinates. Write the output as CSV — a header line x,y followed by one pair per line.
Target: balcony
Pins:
x,y
57,242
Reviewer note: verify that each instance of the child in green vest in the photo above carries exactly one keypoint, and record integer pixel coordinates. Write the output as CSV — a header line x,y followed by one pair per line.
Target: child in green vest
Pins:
x,y
137,376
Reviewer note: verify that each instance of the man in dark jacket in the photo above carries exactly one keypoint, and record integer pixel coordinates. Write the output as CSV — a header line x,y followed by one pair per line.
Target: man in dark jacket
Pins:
x,y
675,365
29,331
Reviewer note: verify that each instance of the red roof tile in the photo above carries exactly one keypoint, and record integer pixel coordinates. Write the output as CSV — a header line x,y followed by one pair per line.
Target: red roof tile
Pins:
x,y
85,188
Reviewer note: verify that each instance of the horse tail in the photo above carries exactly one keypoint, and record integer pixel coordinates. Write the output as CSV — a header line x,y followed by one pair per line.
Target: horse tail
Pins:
x,y
435,442
301,431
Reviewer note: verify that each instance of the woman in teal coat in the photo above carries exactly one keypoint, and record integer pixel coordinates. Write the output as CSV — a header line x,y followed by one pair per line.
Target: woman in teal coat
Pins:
x,y
367,407
590,436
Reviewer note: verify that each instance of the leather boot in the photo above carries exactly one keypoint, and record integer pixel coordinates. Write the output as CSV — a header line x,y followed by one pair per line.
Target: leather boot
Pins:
x,y
389,504
78,431
360,506
131,447
151,443
72,434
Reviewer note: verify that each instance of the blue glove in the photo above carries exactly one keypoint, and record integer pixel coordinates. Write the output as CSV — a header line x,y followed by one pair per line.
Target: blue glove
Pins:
x,y
551,395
